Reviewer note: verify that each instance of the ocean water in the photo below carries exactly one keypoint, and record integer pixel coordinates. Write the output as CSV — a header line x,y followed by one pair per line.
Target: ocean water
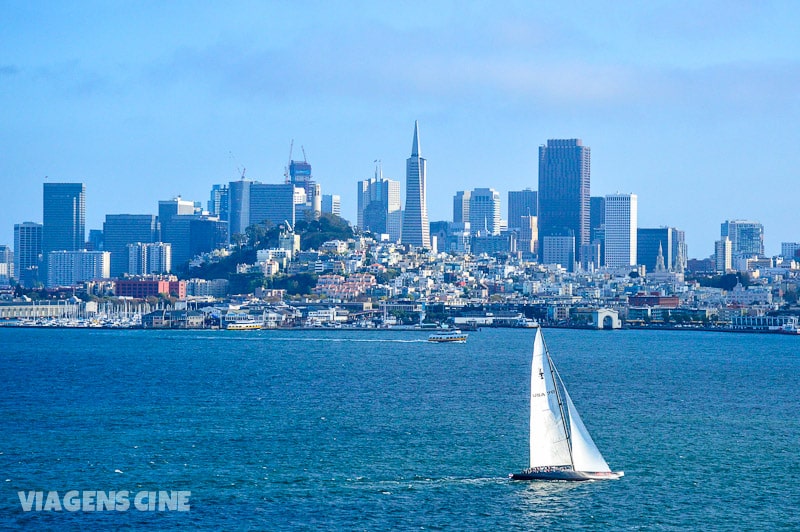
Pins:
x,y
377,430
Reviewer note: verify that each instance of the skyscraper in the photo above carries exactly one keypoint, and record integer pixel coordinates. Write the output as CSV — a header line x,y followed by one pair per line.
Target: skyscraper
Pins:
x,y
332,203
484,211
64,216
6,264
521,203
416,230
27,252
620,234
672,243
218,202
746,236
299,175
461,206
564,180
379,205
119,230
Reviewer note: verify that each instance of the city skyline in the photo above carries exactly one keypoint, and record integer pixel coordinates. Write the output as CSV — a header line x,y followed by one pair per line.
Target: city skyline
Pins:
x,y
145,102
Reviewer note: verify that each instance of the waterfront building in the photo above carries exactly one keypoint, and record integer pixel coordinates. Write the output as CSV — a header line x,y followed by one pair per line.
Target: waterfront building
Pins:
x,y
149,258
620,230
332,204
461,206
120,230
521,203
415,230
484,211
746,236
27,252
564,180
68,268
379,209
670,240
723,255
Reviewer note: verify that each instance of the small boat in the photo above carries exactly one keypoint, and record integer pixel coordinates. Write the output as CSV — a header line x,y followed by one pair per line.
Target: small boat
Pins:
x,y
560,446
449,336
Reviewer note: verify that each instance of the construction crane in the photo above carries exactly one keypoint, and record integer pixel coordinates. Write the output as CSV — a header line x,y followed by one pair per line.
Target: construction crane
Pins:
x,y
286,170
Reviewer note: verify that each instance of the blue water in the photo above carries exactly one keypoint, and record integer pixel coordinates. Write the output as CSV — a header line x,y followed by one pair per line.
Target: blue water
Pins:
x,y
307,430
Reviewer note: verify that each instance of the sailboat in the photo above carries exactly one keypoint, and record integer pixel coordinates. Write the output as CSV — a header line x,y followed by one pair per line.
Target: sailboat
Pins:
x,y
560,446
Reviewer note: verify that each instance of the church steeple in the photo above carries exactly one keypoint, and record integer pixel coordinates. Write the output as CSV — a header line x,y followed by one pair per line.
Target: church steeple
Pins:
x,y
660,259
415,144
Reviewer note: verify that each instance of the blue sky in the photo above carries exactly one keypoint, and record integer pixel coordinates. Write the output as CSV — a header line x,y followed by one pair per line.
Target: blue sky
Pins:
x,y
694,106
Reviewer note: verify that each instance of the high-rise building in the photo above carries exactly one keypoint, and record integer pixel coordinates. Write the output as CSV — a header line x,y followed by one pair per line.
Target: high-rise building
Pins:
x,y
528,235
64,216
272,203
68,268
461,206
149,258
27,253
521,203
332,204
218,202
379,206
120,230
416,231
484,211
620,230
564,180
672,243
6,264
238,206
559,249
299,175
790,250
723,255
746,236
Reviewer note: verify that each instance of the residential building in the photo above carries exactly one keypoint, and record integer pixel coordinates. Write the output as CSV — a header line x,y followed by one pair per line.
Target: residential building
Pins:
x,y
146,258
6,264
723,255
68,268
27,253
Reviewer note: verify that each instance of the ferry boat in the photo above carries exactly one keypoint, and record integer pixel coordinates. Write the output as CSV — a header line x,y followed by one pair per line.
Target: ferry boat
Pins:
x,y
244,326
449,336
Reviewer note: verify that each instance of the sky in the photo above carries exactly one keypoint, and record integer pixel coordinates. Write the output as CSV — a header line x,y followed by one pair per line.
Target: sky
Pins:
x,y
692,105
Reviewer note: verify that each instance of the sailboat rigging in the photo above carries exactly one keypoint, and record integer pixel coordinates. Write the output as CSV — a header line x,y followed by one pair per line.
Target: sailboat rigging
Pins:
x,y
560,446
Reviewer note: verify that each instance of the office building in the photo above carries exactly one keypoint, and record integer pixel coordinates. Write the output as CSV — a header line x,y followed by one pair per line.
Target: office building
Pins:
x,y
672,243
484,211
746,236
564,180
300,176
416,231
528,241
621,219
461,206
558,249
68,268
379,209
218,202
521,203
332,204
27,253
120,230
790,250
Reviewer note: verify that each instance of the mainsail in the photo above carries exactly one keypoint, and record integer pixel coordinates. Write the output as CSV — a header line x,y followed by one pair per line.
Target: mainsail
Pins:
x,y
558,436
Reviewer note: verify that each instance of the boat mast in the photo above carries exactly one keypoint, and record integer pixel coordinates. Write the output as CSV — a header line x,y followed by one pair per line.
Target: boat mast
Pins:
x,y
556,380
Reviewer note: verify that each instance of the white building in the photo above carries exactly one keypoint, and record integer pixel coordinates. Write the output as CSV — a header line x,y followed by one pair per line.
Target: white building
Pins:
x,y
68,268
620,230
147,258
723,255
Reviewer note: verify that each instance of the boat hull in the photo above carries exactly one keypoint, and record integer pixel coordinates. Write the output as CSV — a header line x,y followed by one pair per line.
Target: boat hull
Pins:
x,y
567,475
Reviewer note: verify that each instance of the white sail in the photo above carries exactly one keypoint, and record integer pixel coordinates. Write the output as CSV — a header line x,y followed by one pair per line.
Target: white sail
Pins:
x,y
548,438
585,455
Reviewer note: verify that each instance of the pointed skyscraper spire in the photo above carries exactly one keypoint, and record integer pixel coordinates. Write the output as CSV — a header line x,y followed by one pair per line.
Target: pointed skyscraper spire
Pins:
x,y
415,145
